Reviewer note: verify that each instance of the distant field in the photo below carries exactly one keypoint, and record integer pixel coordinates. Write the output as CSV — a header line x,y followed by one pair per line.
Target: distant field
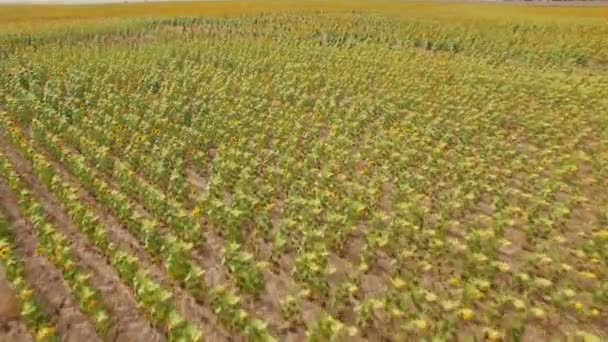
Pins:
x,y
290,171
20,17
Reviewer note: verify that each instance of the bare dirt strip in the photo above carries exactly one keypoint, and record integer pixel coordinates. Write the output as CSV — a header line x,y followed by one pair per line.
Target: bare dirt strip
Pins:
x,y
12,328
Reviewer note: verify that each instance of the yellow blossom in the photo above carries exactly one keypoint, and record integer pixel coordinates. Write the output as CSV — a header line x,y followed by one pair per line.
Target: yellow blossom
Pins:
x,y
45,333
466,314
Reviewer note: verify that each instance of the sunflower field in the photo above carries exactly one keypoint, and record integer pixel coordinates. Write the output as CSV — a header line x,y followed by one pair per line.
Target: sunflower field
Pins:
x,y
304,171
